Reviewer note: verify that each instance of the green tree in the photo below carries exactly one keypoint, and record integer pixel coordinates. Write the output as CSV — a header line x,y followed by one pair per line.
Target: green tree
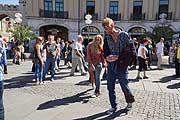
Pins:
x,y
23,33
161,31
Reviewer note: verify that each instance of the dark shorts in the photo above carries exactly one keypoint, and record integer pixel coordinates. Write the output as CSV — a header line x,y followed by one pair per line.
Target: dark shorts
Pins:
x,y
142,64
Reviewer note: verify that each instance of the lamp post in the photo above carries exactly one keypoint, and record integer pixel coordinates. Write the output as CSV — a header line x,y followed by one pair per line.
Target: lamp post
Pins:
x,y
162,21
88,21
22,4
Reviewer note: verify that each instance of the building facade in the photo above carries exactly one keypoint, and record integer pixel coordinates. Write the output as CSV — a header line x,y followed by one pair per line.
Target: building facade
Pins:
x,y
66,18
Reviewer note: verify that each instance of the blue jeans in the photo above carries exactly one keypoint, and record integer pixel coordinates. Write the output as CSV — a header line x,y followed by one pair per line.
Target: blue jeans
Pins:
x,y
38,71
114,73
1,101
98,74
50,62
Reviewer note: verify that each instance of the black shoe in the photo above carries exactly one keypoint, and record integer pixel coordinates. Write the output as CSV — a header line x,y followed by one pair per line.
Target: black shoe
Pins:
x,y
129,106
138,78
145,77
83,74
5,72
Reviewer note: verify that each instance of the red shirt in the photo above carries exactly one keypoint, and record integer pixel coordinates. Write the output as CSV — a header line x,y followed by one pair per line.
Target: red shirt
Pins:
x,y
94,58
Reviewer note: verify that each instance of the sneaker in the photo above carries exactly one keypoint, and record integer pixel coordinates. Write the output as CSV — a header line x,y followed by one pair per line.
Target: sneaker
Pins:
x,y
129,106
52,79
5,72
93,96
112,110
145,77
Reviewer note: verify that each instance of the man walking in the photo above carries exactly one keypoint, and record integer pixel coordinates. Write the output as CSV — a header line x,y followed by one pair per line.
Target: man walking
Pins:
x,y
51,51
77,56
115,41
160,52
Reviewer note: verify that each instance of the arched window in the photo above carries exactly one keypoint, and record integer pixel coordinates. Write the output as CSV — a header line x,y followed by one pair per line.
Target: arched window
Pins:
x,y
137,31
88,33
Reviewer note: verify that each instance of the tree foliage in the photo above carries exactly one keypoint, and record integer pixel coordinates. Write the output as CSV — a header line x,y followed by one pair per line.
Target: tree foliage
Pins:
x,y
23,33
161,31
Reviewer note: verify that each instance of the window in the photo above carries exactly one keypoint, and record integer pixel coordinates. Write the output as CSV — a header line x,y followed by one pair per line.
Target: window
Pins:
x,y
163,2
113,10
137,10
90,7
113,7
163,6
48,8
48,5
59,5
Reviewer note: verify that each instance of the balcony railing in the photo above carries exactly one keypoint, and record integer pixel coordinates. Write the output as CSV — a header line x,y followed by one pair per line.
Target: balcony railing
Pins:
x,y
137,16
53,14
115,17
169,16
94,16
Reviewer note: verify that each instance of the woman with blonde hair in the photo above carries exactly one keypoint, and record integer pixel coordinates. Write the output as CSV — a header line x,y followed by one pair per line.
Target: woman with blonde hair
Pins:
x,y
96,62
38,60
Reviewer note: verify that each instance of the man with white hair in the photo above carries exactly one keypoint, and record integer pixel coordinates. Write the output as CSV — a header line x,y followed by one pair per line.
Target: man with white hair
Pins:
x,y
77,56
160,52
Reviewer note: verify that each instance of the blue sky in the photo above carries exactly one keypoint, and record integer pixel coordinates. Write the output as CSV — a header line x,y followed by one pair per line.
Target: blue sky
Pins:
x,y
9,2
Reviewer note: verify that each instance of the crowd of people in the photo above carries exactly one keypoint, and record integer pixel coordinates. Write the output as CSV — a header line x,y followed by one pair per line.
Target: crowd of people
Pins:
x,y
103,55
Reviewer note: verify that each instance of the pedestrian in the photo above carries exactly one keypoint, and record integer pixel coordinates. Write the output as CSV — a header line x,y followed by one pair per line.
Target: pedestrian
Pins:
x,y
96,62
114,42
4,47
77,56
149,53
177,61
52,51
142,58
172,51
67,53
134,61
2,62
38,60
160,52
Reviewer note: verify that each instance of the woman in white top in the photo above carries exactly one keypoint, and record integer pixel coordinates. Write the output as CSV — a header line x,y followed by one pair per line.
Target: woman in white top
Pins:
x,y
142,58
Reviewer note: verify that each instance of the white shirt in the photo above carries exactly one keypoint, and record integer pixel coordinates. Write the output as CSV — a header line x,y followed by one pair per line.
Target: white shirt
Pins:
x,y
159,47
76,46
140,54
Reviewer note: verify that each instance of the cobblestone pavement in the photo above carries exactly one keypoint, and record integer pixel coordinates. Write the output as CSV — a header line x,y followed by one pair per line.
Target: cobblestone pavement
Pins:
x,y
66,98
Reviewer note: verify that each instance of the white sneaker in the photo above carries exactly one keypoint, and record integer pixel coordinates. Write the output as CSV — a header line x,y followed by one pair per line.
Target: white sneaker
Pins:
x,y
52,79
93,95
112,110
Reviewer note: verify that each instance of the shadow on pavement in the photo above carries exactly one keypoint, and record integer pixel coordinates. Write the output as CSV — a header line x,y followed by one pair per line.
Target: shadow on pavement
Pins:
x,y
165,79
174,86
18,82
83,83
119,113
80,97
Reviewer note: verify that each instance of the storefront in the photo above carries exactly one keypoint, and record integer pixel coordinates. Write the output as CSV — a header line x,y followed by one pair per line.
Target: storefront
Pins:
x,y
88,33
